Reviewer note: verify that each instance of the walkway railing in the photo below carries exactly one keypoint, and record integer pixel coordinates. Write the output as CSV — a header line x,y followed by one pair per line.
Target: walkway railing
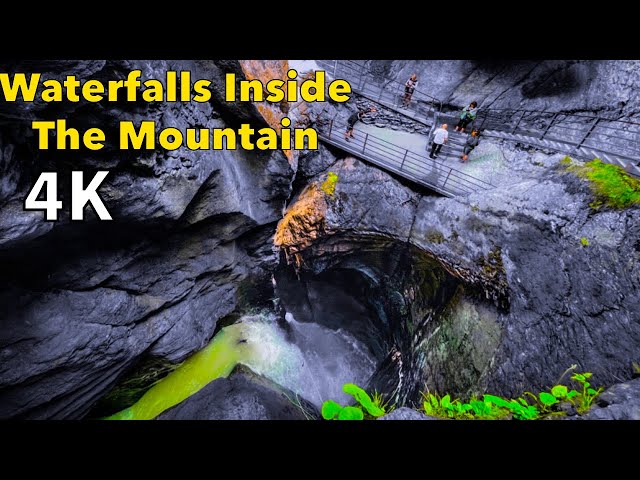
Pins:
x,y
579,135
419,168
387,92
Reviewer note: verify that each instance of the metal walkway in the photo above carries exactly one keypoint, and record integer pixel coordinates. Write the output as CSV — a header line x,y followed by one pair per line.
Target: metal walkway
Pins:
x,y
419,168
581,136
386,92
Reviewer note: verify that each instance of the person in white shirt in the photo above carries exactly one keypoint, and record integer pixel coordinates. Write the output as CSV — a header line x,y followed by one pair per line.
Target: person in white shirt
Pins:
x,y
440,137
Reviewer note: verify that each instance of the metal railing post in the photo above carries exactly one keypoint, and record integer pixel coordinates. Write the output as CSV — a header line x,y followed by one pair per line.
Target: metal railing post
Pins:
x,y
403,159
591,129
448,175
518,122
553,119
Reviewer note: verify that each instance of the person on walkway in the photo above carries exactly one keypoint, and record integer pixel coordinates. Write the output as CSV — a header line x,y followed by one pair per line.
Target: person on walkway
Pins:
x,y
440,137
470,144
355,118
467,116
409,87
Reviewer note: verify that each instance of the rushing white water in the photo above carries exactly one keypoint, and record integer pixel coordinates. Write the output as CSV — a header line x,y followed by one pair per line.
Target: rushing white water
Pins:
x,y
311,360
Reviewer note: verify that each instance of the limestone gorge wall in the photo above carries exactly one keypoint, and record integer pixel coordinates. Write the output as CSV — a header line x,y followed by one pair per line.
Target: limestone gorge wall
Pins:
x,y
82,303
492,291
608,87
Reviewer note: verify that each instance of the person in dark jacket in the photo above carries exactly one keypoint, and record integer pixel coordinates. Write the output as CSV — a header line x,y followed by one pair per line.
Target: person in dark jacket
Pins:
x,y
467,116
353,119
470,144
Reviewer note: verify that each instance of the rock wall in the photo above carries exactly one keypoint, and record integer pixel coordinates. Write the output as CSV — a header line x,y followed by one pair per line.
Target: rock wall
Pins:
x,y
534,299
608,87
189,243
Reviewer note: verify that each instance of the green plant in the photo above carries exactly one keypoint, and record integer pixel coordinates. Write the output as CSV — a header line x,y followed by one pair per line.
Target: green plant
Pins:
x,y
495,407
332,410
380,401
444,407
584,399
584,241
520,409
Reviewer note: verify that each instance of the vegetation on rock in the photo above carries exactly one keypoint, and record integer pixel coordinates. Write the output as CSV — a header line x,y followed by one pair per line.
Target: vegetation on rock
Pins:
x,y
329,185
373,408
610,184
492,407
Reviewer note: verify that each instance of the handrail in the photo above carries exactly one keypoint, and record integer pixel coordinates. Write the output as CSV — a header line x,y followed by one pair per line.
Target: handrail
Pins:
x,y
367,84
608,136
412,165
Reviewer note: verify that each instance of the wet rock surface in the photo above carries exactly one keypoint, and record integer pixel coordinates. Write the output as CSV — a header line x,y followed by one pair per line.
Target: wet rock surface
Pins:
x,y
537,300
188,244
242,396
620,402
405,413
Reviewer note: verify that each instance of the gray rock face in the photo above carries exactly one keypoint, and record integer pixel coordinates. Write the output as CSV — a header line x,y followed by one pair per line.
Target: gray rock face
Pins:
x,y
406,413
526,298
605,86
188,245
242,396
620,402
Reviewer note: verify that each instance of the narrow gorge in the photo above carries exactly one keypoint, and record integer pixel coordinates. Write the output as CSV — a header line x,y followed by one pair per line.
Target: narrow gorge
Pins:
x,y
240,284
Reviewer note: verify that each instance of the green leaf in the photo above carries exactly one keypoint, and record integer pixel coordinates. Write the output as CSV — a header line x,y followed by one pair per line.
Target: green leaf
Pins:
x,y
351,413
331,409
497,401
479,408
363,399
548,399
559,391
591,391
523,402
446,401
587,384
572,393
587,374
578,377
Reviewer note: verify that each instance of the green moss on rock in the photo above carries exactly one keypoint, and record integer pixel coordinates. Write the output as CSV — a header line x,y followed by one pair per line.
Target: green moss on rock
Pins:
x,y
329,185
610,184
